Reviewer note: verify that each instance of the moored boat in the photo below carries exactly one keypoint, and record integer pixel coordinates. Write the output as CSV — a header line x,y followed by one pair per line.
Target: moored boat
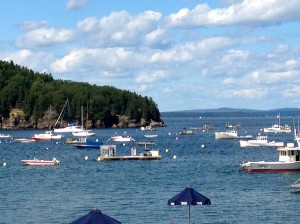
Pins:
x,y
231,134
148,128
38,162
150,136
85,133
108,152
47,136
187,132
260,141
89,145
5,136
278,128
289,160
69,129
24,140
120,138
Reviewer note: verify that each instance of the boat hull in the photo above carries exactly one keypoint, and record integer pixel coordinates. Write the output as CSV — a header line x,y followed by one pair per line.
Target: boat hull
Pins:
x,y
69,129
40,162
244,143
226,135
121,139
263,166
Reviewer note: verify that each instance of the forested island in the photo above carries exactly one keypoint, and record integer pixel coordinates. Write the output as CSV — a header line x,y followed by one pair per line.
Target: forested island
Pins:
x,y
30,99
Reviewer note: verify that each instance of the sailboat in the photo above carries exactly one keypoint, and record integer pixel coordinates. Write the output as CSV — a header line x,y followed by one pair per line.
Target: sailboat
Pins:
x,y
83,132
71,127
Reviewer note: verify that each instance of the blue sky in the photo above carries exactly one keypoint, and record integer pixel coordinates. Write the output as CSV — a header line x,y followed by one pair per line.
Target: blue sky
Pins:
x,y
185,54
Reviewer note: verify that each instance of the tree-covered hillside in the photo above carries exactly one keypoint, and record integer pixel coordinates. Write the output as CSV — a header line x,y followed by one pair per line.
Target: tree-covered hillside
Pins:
x,y
34,93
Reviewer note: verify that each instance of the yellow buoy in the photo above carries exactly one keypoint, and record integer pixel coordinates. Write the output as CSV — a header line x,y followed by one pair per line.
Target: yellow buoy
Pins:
x,y
174,157
86,158
167,150
4,164
202,146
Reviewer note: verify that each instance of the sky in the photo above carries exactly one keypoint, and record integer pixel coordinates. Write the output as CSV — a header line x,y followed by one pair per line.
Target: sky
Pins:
x,y
184,54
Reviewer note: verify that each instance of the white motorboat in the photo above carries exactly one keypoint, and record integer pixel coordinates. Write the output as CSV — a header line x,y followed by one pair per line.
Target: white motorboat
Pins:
x,y
231,134
85,133
38,162
5,136
278,128
260,140
47,136
120,138
148,128
150,136
289,160
24,140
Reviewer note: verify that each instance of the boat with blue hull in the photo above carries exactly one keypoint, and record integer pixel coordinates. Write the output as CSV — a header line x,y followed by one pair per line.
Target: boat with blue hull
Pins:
x,y
89,145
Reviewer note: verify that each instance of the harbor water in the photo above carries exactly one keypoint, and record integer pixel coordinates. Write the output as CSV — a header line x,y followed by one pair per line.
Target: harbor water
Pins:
x,y
136,192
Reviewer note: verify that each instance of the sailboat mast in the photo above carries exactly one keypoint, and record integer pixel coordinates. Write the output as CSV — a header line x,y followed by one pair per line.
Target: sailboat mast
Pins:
x,y
61,113
81,116
87,115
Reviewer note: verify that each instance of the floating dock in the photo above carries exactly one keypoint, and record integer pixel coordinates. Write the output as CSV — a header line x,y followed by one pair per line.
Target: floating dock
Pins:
x,y
108,152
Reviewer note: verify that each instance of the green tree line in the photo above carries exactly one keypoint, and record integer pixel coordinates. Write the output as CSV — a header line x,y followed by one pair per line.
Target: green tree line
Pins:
x,y
34,92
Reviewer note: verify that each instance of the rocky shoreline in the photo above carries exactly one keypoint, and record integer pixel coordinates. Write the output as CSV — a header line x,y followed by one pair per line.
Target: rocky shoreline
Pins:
x,y
17,121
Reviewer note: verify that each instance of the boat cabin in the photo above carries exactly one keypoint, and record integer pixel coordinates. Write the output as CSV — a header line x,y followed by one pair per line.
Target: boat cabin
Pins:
x,y
289,153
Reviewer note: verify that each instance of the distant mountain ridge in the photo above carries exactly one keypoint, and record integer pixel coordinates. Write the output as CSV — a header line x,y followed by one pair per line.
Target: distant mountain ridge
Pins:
x,y
235,112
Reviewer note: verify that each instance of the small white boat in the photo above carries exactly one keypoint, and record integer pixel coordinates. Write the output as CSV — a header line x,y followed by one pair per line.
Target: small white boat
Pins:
x,y
38,162
85,133
47,136
24,140
260,141
238,125
187,132
5,136
289,160
120,138
278,128
148,128
150,136
231,134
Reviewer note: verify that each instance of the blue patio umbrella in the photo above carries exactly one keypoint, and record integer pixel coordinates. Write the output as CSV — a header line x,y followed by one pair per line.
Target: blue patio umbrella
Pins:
x,y
95,217
189,197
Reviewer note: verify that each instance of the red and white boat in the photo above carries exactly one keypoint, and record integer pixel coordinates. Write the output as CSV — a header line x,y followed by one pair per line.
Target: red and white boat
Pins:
x,y
47,136
289,160
38,162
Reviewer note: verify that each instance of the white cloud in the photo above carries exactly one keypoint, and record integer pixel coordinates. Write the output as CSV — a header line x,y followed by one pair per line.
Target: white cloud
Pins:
x,y
292,90
44,37
32,25
119,28
245,93
247,12
75,4
29,59
150,78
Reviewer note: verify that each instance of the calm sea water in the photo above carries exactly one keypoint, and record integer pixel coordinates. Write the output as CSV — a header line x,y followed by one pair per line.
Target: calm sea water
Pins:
x,y
136,192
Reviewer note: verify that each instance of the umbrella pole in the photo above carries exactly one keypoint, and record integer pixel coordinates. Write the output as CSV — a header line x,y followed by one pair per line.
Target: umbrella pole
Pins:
x,y
189,214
